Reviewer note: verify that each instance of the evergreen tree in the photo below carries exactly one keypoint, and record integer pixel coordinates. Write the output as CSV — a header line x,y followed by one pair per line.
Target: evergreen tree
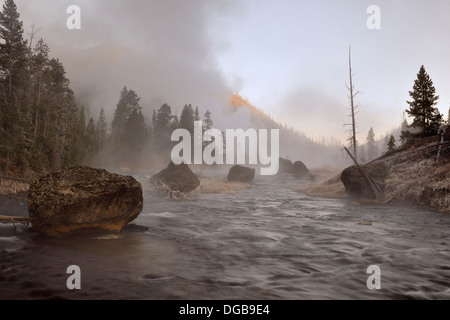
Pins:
x,y
128,102
427,118
154,118
187,119
40,78
386,141
135,134
391,145
13,51
101,128
175,124
196,115
76,147
14,112
372,151
40,125
405,134
92,144
207,122
161,129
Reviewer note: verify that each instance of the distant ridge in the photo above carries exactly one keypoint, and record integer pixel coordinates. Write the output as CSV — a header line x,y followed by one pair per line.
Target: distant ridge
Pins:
x,y
294,144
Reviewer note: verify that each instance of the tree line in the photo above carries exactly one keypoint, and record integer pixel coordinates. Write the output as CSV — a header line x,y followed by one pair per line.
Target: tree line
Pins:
x,y
41,126
131,138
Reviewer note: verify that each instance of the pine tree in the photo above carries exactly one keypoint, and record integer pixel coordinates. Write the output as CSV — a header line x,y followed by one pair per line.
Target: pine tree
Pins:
x,y
187,119
207,124
161,129
14,112
13,50
391,145
372,151
386,141
101,128
135,134
196,115
175,124
92,144
39,75
128,102
41,126
207,121
427,118
154,118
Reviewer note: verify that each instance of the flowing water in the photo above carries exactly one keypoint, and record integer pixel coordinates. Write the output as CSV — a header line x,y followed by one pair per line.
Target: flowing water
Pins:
x,y
266,242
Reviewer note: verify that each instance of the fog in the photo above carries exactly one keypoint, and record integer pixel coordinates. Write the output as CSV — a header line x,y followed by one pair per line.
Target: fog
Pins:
x,y
288,58
164,50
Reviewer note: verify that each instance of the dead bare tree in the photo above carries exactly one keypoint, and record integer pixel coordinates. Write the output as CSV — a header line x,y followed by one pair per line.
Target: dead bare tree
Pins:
x,y
353,108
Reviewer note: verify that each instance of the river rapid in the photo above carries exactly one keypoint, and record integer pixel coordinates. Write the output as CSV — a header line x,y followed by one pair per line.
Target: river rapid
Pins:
x,y
266,242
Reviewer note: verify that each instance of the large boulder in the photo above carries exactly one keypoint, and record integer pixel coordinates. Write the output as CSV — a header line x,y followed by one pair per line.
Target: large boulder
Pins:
x,y
356,184
83,199
285,166
241,174
177,177
299,170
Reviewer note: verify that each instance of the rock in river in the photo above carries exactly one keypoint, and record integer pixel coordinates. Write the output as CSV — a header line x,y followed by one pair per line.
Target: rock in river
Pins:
x,y
285,166
357,186
299,170
241,174
177,177
83,199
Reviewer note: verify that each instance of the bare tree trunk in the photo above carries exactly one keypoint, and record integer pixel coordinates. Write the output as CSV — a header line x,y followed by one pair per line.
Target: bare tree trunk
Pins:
x,y
353,106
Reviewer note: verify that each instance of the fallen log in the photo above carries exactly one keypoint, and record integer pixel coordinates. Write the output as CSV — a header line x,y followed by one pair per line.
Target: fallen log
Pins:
x,y
372,184
14,219
8,219
170,193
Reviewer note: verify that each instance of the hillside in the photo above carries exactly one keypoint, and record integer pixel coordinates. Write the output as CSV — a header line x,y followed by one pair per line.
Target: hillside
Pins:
x,y
294,144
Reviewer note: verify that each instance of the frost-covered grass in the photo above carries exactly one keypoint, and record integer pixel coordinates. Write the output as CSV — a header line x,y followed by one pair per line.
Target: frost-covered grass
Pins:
x,y
421,182
8,186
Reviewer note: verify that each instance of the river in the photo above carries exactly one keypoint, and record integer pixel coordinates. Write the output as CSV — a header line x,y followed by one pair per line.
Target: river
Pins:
x,y
266,242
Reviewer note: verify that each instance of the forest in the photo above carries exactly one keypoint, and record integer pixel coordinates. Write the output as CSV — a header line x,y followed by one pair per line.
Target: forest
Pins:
x,y
42,128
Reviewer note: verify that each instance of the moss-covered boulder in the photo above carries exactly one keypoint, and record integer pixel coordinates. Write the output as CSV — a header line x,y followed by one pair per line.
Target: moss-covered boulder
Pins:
x,y
83,199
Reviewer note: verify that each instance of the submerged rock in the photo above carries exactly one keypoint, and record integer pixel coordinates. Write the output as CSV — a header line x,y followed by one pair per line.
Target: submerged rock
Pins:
x,y
83,199
241,174
177,177
357,186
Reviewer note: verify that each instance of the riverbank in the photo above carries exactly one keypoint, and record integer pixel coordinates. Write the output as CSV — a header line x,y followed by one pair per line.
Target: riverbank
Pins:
x,y
12,186
327,184
211,185
411,174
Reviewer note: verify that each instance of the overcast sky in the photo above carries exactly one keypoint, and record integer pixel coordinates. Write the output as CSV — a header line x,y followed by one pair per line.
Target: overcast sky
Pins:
x,y
288,57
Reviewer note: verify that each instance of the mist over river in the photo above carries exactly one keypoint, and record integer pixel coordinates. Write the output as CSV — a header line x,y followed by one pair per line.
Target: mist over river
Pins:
x,y
266,242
